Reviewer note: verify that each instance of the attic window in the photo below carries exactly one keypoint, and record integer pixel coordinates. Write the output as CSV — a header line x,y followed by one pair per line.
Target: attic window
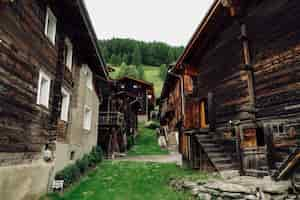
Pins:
x,y
89,77
69,54
50,25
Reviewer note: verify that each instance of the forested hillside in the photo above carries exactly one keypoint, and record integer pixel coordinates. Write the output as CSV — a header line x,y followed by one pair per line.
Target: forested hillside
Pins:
x,y
133,52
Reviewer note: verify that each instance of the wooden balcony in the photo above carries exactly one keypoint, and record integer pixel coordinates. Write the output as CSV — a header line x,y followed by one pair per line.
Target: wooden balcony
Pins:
x,y
111,119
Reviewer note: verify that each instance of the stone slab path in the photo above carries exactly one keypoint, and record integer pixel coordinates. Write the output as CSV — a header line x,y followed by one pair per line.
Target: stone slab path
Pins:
x,y
171,158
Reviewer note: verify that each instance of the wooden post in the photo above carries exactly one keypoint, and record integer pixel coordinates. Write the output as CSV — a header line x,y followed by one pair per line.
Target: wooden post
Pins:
x,y
239,149
211,111
248,66
270,148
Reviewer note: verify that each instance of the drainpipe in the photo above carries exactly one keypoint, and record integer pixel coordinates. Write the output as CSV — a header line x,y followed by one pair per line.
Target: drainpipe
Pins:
x,y
182,92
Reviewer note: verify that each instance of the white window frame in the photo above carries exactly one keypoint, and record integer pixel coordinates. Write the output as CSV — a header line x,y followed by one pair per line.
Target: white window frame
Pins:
x,y
65,105
46,94
69,54
87,118
50,17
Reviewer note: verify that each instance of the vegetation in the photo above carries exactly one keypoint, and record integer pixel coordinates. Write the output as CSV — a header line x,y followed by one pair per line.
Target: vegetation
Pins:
x,y
146,143
133,52
118,180
73,172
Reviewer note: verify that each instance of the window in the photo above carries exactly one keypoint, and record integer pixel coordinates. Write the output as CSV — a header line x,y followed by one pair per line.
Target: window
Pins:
x,y
87,123
43,89
65,105
50,25
69,54
135,86
122,86
72,155
276,128
89,78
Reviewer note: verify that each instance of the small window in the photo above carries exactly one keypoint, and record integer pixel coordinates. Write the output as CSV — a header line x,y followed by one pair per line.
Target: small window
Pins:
x,y
43,89
135,86
122,86
68,54
276,128
87,123
50,25
65,105
72,155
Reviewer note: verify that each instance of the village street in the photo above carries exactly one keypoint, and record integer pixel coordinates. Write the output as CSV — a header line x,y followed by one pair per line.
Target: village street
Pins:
x,y
145,173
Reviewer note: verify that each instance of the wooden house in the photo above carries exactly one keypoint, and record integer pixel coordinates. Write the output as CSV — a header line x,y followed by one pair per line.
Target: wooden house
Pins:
x,y
240,74
144,91
49,60
118,118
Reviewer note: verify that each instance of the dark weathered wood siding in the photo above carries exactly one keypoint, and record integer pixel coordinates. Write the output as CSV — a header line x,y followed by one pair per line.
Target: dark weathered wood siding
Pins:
x,y
24,50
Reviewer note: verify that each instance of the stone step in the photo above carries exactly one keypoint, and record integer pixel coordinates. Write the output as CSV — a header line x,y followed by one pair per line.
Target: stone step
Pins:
x,y
213,150
215,154
258,173
210,145
221,160
225,166
204,136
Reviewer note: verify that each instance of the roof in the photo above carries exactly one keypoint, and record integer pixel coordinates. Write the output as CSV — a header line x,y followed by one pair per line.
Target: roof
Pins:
x,y
136,80
91,31
211,12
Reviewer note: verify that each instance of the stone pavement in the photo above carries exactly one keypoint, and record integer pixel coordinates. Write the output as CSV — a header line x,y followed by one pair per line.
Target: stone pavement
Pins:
x,y
238,187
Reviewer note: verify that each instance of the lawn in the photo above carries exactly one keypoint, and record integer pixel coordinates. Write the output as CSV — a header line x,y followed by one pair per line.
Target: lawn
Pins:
x,y
119,180
151,75
146,143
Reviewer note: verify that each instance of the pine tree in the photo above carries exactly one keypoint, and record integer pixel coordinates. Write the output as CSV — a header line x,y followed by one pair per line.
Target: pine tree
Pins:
x,y
137,56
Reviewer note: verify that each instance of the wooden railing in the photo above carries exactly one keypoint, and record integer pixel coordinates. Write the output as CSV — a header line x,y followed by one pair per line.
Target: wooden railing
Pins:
x,y
111,119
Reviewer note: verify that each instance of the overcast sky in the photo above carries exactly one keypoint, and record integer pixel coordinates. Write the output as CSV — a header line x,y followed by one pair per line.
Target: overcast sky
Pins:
x,y
170,21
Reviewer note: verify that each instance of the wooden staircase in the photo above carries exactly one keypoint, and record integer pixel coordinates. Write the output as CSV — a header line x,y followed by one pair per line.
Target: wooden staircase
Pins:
x,y
215,152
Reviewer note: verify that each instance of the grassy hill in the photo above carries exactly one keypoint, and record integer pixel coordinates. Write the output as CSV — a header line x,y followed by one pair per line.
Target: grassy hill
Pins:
x,y
151,75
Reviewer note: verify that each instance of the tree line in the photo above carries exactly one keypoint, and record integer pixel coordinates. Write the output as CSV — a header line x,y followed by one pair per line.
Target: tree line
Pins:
x,y
133,52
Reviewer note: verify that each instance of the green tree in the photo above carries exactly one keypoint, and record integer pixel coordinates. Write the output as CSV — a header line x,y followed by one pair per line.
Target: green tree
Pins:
x,y
125,58
163,71
137,56
116,60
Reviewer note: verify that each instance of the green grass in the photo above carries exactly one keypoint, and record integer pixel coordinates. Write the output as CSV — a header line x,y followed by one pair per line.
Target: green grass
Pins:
x,y
116,180
151,75
146,144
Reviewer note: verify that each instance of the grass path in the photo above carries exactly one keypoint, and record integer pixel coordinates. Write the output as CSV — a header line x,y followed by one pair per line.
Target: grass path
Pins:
x,y
120,180
146,144
132,180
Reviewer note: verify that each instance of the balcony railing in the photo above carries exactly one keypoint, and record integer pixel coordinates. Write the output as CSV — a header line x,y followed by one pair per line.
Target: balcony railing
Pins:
x,y
111,119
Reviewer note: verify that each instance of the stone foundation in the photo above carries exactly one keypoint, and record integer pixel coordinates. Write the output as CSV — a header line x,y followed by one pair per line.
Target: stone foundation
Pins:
x,y
24,182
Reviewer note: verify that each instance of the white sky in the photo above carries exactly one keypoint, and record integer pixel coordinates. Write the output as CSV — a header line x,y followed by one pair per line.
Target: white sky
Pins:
x,y
170,21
